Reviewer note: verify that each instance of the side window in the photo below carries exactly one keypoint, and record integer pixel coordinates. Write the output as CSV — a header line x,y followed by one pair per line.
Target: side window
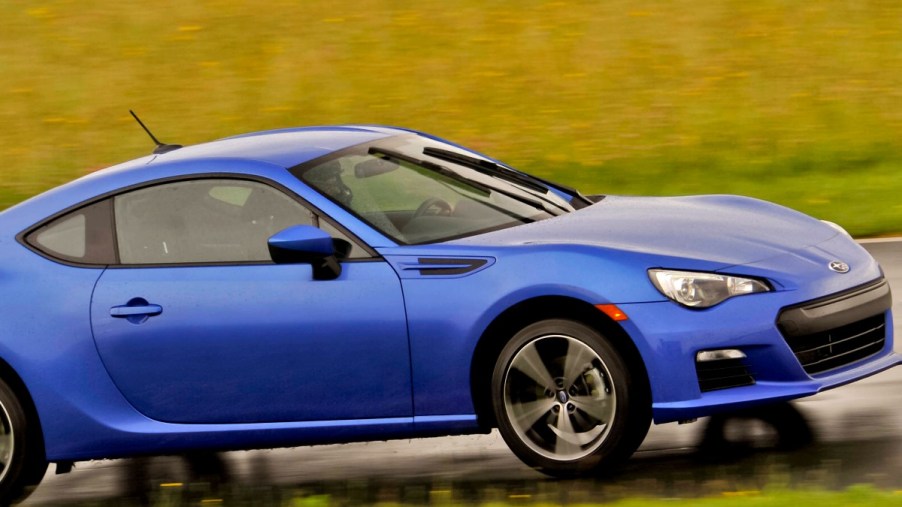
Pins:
x,y
199,221
84,236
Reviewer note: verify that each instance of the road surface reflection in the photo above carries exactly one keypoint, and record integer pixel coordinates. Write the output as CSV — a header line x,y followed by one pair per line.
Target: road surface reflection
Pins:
x,y
736,453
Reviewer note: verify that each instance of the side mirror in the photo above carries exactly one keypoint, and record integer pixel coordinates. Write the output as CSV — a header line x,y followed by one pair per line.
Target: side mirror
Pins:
x,y
305,244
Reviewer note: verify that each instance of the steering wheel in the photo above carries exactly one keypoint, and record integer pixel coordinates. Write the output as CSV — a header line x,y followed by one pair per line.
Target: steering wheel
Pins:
x,y
433,206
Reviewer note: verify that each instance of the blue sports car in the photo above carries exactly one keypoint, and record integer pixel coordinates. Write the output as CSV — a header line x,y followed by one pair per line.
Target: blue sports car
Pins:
x,y
335,284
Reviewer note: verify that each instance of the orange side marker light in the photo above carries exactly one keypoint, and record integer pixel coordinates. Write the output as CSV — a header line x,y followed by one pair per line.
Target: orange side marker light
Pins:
x,y
613,312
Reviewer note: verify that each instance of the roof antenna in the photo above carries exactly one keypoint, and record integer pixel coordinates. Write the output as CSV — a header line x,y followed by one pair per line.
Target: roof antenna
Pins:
x,y
161,147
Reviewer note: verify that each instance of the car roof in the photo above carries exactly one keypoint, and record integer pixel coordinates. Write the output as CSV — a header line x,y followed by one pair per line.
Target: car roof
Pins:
x,y
283,147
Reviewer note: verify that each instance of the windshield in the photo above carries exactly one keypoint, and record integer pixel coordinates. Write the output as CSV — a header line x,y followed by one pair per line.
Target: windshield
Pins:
x,y
414,197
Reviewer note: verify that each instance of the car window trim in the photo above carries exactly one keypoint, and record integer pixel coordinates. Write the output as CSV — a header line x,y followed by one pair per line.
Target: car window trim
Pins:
x,y
317,212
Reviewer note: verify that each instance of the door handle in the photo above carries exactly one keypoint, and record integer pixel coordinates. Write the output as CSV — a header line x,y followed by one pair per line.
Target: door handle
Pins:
x,y
136,311
129,311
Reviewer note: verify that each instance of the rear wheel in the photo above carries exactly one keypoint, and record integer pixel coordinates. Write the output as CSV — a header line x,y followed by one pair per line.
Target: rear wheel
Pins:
x,y
565,399
22,461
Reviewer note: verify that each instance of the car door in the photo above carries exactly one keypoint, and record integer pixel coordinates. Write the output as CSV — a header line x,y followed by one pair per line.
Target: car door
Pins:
x,y
196,324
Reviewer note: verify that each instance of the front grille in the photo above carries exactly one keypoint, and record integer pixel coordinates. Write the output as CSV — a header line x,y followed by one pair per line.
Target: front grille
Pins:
x,y
840,329
840,346
722,374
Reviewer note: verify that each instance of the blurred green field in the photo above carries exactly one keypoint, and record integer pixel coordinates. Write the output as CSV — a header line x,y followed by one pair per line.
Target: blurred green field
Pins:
x,y
854,496
792,101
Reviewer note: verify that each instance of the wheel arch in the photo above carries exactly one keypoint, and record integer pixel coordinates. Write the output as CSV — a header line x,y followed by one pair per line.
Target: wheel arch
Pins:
x,y
9,375
529,311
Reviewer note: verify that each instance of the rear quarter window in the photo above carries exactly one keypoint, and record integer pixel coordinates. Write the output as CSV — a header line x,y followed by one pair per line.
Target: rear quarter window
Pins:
x,y
83,236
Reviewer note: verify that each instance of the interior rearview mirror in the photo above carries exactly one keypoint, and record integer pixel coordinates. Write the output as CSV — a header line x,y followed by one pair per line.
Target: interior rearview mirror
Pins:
x,y
374,167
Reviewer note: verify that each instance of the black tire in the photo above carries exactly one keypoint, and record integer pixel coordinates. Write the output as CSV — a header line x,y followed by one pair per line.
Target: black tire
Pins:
x,y
23,466
586,411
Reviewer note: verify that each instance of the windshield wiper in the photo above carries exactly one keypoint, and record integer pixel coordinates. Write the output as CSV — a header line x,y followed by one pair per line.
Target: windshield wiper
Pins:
x,y
432,166
480,164
488,167
497,170
444,171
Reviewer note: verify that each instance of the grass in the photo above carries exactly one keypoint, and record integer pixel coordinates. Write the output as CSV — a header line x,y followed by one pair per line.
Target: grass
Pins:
x,y
795,102
854,496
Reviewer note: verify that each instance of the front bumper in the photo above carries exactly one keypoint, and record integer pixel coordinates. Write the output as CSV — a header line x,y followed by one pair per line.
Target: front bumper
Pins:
x,y
793,349
766,392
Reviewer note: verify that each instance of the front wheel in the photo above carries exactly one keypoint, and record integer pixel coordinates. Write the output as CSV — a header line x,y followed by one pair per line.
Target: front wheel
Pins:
x,y
22,461
566,401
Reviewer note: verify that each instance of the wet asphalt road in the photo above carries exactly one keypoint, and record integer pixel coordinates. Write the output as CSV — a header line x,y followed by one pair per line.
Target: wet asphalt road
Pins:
x,y
841,437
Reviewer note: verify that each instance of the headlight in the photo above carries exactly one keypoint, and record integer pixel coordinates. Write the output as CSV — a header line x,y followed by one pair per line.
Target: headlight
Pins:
x,y
702,290
836,227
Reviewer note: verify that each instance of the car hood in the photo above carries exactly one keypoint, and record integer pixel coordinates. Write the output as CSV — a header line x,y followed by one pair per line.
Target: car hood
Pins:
x,y
724,230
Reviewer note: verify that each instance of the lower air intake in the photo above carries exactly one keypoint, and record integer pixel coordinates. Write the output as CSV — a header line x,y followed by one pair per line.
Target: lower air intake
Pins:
x,y
722,374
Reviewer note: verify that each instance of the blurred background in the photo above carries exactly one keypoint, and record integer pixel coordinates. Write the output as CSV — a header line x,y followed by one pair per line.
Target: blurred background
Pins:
x,y
795,102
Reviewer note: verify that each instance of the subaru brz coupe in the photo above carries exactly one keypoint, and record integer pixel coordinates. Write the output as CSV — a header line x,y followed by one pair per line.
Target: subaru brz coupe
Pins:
x,y
335,284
